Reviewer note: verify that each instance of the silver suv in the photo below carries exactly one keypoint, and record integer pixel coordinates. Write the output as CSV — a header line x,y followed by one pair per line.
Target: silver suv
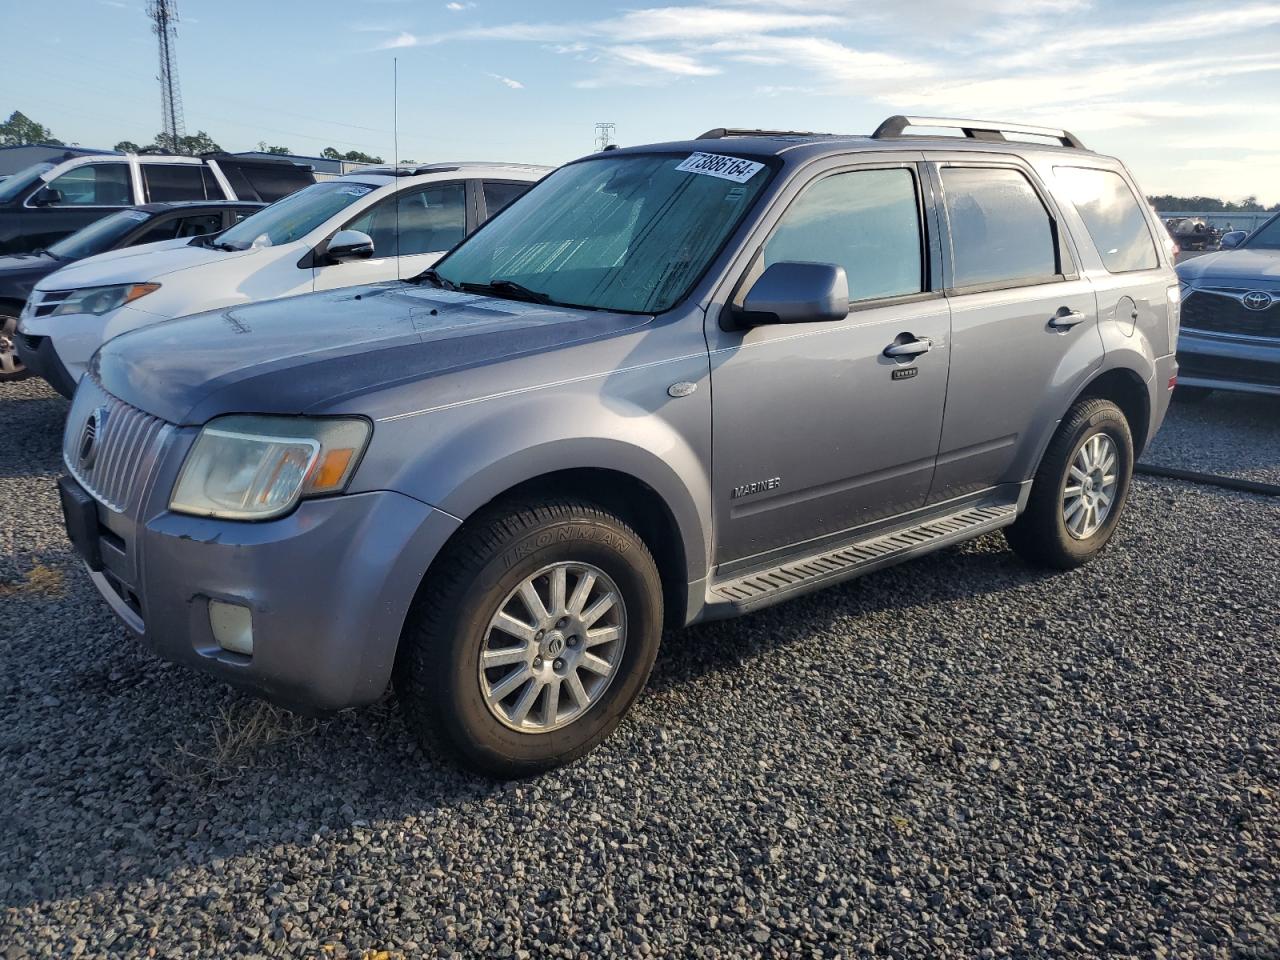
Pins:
x,y
669,384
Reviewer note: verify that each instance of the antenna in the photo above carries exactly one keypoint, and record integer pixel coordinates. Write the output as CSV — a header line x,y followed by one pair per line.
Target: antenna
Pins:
x,y
395,147
604,135
164,14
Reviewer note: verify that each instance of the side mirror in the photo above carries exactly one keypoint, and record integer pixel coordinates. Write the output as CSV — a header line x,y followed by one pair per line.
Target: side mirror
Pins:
x,y
1233,239
793,292
46,197
349,245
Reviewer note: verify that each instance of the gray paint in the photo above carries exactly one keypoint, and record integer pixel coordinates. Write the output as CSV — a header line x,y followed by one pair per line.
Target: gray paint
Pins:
x,y
470,396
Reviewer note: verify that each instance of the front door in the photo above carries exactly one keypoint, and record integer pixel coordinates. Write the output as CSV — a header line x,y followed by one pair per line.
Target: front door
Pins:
x,y
1024,326
815,430
410,232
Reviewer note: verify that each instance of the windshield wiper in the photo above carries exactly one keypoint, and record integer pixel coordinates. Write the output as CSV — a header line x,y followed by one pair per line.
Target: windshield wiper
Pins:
x,y
514,290
439,281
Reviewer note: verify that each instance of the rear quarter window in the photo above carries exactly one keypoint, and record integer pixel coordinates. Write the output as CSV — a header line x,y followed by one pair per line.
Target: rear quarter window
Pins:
x,y
1112,215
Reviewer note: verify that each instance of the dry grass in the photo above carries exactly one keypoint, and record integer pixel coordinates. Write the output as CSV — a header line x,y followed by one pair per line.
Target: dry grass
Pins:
x,y
241,737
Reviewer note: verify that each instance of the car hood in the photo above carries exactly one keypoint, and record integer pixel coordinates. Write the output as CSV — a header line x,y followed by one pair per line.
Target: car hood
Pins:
x,y
141,264
304,354
26,264
1233,266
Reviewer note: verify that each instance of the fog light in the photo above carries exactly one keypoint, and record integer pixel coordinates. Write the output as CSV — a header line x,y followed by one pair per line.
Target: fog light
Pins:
x,y
232,626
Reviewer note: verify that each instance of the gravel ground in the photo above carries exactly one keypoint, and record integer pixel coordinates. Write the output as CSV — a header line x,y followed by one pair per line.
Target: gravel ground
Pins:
x,y
1232,434
960,757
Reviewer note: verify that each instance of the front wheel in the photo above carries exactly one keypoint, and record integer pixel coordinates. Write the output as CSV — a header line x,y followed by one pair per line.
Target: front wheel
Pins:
x,y
1079,490
534,633
11,368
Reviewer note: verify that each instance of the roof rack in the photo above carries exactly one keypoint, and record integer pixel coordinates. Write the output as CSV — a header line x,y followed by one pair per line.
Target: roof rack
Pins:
x,y
719,133
988,130
413,170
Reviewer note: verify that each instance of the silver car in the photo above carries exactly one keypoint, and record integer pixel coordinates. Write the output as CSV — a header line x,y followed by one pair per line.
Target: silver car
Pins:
x,y
669,384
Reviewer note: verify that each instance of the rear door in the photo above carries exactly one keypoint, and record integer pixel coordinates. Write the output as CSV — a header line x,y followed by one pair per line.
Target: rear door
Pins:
x,y
815,430
410,230
1024,322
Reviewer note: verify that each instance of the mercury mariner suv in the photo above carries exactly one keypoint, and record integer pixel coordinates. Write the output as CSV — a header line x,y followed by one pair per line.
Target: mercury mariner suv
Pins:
x,y
670,383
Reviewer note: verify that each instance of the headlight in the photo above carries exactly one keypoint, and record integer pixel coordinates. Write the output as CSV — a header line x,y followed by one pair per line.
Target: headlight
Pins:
x,y
99,300
255,468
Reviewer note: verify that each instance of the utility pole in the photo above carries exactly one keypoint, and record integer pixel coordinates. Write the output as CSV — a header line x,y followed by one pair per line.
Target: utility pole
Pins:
x,y
164,17
604,135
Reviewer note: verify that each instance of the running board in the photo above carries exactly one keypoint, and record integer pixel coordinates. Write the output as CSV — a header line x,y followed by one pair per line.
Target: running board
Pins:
x,y
765,587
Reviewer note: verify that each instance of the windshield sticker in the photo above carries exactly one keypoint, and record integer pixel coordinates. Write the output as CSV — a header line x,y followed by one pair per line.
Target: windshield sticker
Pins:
x,y
716,165
355,190
137,215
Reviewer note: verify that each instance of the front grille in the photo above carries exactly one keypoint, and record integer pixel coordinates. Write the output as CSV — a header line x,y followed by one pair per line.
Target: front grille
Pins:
x,y
120,442
1192,366
1220,313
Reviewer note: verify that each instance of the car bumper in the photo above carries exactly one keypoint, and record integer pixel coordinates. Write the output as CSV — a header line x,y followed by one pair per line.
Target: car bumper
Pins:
x,y
37,353
327,589
1246,364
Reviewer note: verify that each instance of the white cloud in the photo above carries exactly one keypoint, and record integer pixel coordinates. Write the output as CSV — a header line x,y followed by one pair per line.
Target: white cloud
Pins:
x,y
513,84
455,7
399,41
674,63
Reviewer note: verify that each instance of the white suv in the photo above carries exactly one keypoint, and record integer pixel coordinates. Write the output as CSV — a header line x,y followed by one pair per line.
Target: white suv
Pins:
x,y
379,224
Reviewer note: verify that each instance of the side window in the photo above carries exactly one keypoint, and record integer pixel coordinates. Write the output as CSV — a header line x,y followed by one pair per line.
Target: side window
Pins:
x,y
164,228
95,185
176,181
1001,232
197,225
1112,216
430,219
867,221
499,193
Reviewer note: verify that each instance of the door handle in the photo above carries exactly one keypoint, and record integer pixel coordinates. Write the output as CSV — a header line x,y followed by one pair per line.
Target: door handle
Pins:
x,y
1065,319
910,348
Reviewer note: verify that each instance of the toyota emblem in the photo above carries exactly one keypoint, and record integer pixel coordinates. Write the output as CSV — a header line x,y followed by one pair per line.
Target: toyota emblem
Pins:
x,y
1256,299
89,434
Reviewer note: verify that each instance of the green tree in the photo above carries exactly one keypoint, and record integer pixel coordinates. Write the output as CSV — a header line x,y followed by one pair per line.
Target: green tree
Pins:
x,y
279,151
127,146
20,129
355,156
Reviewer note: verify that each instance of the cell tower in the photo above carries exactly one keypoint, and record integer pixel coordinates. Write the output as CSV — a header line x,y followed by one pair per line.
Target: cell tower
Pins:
x,y
164,16
604,135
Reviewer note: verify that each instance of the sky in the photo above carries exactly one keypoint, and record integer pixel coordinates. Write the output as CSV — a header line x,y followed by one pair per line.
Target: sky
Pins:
x,y
1187,93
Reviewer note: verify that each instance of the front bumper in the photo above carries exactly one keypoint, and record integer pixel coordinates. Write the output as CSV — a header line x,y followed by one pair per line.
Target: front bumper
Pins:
x,y
37,353
1224,362
328,588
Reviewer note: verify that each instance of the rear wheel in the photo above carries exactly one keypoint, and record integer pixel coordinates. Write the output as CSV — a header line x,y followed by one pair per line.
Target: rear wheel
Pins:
x,y
1079,490
533,635
11,368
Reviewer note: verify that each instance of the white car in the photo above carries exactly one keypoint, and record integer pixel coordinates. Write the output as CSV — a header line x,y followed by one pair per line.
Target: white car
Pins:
x,y
382,223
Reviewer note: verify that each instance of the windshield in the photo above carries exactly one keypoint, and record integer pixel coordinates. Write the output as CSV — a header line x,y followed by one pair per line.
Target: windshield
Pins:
x,y
98,236
18,183
295,216
631,233
1267,237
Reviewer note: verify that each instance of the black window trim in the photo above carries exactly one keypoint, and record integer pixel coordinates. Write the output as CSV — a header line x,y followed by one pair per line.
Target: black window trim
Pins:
x,y
1062,249
1155,241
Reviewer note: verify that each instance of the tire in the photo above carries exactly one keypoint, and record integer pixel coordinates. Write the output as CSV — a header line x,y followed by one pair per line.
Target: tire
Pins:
x,y
11,368
446,696
1043,534
1191,394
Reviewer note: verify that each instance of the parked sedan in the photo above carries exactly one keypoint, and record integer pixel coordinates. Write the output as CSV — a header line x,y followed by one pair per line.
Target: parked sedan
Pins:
x,y
1230,336
132,227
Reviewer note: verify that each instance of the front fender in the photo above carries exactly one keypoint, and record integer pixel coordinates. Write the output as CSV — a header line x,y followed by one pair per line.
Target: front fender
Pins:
x,y
474,451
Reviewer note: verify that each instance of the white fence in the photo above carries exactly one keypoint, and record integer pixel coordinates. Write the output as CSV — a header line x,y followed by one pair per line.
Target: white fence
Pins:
x,y
1222,219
